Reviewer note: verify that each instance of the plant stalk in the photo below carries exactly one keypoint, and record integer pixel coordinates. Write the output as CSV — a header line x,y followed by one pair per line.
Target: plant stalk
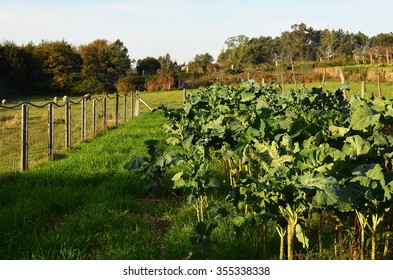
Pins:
x,y
281,233
320,243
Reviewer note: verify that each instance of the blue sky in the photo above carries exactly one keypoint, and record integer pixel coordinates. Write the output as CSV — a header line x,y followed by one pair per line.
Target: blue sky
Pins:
x,y
182,28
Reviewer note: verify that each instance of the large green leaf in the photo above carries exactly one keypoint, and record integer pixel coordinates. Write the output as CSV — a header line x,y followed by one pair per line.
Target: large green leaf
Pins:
x,y
338,131
355,146
376,174
328,192
321,159
177,176
363,117
135,162
277,159
247,96
301,236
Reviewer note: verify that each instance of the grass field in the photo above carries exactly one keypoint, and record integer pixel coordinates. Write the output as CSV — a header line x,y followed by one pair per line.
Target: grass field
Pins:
x,y
86,206
10,126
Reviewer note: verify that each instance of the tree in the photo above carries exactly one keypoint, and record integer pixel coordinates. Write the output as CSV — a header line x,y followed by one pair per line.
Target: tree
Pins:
x,y
262,50
362,44
12,68
104,62
383,43
95,59
328,45
148,66
59,61
166,74
300,44
202,63
119,62
236,52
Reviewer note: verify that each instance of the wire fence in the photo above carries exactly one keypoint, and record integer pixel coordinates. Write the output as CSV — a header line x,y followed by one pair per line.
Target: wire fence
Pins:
x,y
31,133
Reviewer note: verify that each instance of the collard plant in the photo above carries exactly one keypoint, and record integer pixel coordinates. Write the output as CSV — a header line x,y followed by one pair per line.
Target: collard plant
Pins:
x,y
153,168
287,156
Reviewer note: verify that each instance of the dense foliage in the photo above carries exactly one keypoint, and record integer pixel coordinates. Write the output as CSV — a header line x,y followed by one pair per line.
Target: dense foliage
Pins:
x,y
290,158
55,67
304,43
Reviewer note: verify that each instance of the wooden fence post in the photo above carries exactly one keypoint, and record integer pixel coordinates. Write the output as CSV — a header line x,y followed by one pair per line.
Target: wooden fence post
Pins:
x,y
50,132
184,94
94,116
117,109
125,108
83,125
323,77
363,89
342,77
282,80
132,105
104,113
24,138
379,86
293,73
67,122
137,104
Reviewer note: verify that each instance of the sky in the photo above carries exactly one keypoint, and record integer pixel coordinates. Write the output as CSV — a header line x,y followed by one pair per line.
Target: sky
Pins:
x,y
182,28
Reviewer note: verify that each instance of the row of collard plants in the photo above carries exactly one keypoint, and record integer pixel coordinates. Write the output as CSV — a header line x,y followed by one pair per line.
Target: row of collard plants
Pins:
x,y
291,159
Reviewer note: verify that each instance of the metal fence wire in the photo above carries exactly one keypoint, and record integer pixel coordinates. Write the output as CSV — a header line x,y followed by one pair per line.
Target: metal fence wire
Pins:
x,y
64,123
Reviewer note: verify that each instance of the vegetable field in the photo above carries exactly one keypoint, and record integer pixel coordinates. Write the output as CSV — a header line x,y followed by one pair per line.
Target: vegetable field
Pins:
x,y
307,169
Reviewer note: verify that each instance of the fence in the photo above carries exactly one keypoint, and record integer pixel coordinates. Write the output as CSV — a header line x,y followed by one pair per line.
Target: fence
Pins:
x,y
71,115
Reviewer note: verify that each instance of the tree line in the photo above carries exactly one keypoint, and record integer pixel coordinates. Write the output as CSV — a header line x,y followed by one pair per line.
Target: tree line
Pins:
x,y
304,43
56,67
59,67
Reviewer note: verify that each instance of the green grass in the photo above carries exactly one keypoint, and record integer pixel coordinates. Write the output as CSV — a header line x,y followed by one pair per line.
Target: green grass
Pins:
x,y
10,126
86,206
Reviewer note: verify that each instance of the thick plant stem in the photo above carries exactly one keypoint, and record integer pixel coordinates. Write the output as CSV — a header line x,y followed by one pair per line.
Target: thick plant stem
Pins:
x,y
362,243
386,247
290,237
373,245
376,221
291,217
363,224
281,232
320,243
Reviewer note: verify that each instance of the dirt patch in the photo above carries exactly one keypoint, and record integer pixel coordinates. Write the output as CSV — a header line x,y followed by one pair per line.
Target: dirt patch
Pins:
x,y
53,221
160,225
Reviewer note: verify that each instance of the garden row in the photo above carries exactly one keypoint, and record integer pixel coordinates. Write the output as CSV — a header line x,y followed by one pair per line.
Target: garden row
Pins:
x,y
309,163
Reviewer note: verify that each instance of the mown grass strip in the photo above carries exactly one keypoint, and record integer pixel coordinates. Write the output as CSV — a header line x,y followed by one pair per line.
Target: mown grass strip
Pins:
x,y
85,206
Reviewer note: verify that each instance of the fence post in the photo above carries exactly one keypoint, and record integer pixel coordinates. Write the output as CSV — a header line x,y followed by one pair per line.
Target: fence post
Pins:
x,y
104,112
50,132
184,94
117,109
342,77
379,86
24,138
67,122
125,108
94,116
132,105
83,126
137,104
323,77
